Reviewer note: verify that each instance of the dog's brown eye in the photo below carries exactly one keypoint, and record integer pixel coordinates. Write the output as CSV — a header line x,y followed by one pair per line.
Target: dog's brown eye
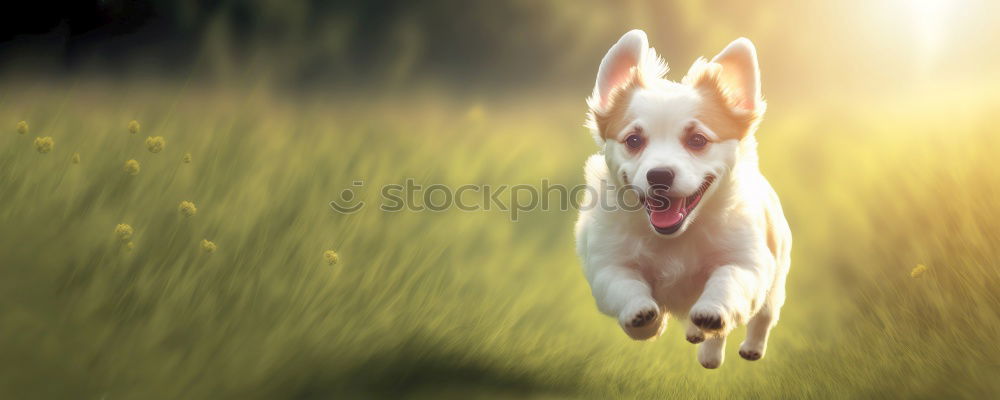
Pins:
x,y
697,141
635,141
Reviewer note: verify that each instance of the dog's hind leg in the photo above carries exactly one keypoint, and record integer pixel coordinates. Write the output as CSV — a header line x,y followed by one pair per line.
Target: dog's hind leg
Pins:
x,y
759,327
755,344
711,353
693,334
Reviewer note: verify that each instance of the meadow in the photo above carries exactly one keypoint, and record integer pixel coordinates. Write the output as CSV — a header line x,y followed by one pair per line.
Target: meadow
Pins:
x,y
458,304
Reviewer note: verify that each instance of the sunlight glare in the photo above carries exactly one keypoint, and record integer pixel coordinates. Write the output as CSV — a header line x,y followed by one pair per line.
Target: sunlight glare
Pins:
x,y
928,20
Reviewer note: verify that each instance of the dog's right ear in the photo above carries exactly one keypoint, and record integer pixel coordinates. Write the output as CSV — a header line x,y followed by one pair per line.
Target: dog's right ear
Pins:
x,y
618,66
628,64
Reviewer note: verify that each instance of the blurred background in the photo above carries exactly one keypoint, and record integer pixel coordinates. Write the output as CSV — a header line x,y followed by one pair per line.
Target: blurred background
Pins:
x,y
808,49
166,169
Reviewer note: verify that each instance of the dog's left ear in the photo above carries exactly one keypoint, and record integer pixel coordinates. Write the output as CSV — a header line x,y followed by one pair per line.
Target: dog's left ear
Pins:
x,y
730,85
740,75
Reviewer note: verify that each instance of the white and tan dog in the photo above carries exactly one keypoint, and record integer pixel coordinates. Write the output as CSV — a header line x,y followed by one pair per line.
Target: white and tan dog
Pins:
x,y
692,229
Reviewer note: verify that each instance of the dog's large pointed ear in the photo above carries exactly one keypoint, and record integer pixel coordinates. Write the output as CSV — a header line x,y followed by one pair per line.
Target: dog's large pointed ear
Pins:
x,y
740,75
730,85
622,61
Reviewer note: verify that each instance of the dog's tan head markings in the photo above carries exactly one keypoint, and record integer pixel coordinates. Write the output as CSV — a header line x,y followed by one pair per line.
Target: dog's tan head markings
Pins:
x,y
691,130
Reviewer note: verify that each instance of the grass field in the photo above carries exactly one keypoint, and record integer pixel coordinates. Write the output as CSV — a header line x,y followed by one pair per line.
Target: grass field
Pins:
x,y
458,304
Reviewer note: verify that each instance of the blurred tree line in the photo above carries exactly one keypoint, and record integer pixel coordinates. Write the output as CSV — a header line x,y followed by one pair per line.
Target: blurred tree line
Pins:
x,y
309,41
807,48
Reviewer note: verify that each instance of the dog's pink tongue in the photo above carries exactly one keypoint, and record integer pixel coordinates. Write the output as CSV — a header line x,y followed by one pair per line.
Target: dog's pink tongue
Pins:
x,y
669,216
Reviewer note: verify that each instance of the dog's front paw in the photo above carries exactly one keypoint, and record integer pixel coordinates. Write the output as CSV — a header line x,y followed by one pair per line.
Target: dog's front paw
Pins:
x,y
641,319
709,321
711,318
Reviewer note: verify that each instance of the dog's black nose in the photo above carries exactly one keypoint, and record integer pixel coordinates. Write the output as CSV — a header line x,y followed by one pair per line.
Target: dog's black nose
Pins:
x,y
660,177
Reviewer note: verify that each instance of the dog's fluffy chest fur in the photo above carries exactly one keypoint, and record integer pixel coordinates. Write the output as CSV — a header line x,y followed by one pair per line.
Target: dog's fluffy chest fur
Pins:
x,y
676,271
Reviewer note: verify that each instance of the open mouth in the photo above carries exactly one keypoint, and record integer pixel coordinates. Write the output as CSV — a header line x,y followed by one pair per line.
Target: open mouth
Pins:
x,y
667,214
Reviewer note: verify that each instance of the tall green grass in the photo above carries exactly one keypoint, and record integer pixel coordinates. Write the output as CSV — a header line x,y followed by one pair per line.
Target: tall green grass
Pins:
x,y
456,304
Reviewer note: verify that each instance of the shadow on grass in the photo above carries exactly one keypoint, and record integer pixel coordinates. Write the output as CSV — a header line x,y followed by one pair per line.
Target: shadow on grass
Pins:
x,y
432,374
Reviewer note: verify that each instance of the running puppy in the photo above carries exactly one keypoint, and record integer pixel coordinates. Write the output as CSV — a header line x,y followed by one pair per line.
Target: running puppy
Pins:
x,y
683,222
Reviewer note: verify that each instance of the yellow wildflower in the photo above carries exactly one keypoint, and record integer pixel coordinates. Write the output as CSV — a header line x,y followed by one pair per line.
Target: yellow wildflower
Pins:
x,y
476,113
207,245
155,143
76,158
331,257
132,167
918,271
187,158
22,127
133,127
124,232
129,246
187,208
44,144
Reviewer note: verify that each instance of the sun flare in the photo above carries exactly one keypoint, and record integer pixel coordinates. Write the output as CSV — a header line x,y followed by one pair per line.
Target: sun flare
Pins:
x,y
928,20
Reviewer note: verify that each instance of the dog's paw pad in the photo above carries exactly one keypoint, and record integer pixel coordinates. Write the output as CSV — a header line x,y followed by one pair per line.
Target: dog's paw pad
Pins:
x,y
696,338
708,321
642,318
750,355
711,364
